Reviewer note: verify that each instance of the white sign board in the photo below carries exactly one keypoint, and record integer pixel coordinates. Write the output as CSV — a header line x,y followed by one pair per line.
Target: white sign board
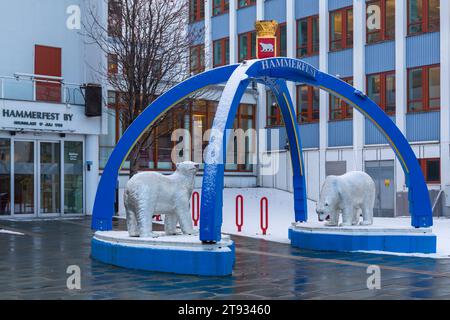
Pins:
x,y
46,117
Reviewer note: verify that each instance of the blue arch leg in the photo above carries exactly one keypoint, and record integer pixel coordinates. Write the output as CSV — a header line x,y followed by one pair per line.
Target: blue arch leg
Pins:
x,y
212,186
283,98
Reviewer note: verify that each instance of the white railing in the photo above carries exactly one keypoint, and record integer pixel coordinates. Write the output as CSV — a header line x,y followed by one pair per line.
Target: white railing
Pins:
x,y
33,87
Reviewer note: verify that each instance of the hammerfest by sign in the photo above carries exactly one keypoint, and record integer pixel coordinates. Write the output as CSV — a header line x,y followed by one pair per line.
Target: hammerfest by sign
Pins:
x,y
266,41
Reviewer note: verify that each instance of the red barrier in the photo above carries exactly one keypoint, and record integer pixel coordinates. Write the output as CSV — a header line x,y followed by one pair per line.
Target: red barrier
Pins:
x,y
195,204
239,203
265,226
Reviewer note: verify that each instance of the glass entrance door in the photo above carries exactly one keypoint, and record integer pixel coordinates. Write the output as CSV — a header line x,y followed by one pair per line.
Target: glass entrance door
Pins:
x,y
24,178
73,177
49,178
5,177
41,177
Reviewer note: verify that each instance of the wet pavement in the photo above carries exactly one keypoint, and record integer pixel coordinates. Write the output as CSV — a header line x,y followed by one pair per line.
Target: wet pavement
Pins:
x,y
33,266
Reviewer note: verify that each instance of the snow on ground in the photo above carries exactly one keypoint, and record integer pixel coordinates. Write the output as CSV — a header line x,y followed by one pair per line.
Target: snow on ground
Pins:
x,y
11,232
281,212
281,215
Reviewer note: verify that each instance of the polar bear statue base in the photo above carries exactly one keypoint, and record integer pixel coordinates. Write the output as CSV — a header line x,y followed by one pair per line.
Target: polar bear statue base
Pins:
x,y
351,194
150,193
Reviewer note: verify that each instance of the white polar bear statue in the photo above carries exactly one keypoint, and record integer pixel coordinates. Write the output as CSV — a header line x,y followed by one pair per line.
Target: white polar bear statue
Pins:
x,y
350,193
150,193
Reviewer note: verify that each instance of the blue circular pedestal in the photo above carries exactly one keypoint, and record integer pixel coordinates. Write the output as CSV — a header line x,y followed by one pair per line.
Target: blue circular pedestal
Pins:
x,y
181,254
316,236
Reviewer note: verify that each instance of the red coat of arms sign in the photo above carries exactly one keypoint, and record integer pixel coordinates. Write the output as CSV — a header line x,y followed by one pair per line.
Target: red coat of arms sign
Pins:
x,y
266,42
266,47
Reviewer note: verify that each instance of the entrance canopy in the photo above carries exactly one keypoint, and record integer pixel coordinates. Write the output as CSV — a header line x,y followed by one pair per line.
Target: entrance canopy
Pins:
x,y
274,73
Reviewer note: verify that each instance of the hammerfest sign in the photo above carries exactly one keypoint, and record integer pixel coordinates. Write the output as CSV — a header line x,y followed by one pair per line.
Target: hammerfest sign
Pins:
x,y
266,41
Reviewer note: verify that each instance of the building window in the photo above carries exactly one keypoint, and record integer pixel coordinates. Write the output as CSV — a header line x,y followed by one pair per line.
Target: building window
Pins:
x,y
112,64
339,109
157,153
274,117
245,3
424,87
202,113
196,10
197,59
247,46
221,52
281,40
242,148
431,168
220,6
381,89
341,29
380,20
307,104
308,36
196,116
114,18
423,16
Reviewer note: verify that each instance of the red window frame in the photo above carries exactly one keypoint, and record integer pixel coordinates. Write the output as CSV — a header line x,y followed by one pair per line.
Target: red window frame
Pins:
x,y
424,162
346,34
344,107
248,3
200,61
384,35
224,54
249,46
199,13
425,23
307,117
425,90
278,35
223,7
383,89
275,120
310,51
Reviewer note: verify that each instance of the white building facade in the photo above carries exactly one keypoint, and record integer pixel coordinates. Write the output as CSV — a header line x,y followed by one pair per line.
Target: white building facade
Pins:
x,y
49,141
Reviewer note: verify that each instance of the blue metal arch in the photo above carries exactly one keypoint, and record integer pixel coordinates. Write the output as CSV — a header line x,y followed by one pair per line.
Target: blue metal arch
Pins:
x,y
298,71
104,199
259,70
213,177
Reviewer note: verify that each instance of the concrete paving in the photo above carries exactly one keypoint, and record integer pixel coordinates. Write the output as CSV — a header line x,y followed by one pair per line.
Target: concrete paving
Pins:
x,y
34,265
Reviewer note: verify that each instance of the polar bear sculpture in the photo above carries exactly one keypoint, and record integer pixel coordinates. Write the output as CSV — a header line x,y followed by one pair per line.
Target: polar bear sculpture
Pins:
x,y
150,193
350,193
